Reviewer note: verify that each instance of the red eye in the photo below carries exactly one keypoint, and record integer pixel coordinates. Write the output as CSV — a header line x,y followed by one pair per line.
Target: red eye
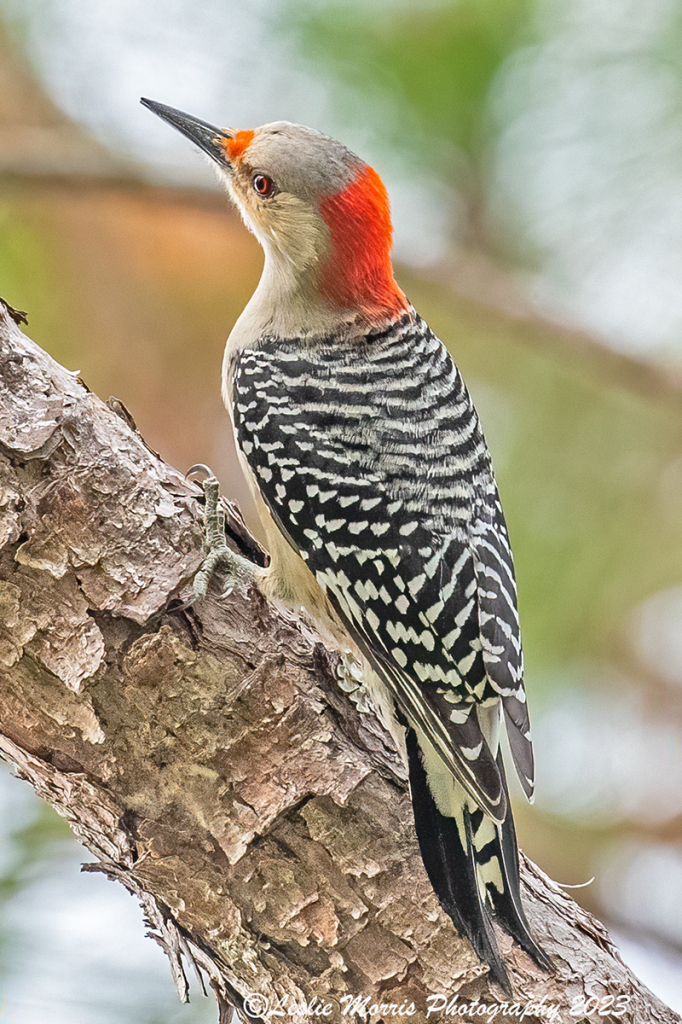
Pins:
x,y
263,185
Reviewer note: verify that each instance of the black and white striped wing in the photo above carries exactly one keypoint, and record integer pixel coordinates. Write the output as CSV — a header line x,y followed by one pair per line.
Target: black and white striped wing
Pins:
x,y
373,462
500,632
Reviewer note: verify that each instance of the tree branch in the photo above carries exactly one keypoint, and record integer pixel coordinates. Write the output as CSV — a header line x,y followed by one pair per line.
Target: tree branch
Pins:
x,y
214,757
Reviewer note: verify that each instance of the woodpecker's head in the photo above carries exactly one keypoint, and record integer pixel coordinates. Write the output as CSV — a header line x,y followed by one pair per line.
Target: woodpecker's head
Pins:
x,y
321,214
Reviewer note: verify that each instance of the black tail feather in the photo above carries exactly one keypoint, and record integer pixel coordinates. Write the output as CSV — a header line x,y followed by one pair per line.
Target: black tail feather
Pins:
x,y
451,867
508,905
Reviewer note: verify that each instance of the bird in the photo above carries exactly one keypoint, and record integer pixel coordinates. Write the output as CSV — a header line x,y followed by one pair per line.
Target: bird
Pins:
x,y
375,487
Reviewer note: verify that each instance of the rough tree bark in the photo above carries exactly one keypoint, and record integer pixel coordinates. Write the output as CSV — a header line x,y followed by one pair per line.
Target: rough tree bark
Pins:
x,y
213,757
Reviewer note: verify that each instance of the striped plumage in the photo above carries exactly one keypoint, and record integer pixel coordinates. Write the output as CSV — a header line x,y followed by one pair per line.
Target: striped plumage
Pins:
x,y
369,454
367,460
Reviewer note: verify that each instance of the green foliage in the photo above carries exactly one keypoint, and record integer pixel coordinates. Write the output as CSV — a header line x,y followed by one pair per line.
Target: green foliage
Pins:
x,y
32,845
31,275
435,63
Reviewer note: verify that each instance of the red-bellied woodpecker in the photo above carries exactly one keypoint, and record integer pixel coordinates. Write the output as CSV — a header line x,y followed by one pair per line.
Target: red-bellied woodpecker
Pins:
x,y
374,482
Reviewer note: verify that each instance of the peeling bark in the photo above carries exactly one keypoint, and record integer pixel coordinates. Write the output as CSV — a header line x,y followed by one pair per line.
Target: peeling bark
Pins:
x,y
215,758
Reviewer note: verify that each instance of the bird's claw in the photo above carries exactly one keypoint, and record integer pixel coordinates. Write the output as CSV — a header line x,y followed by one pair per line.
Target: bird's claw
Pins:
x,y
218,555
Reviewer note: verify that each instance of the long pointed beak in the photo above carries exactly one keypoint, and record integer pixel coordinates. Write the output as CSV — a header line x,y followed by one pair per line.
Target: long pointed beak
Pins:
x,y
206,136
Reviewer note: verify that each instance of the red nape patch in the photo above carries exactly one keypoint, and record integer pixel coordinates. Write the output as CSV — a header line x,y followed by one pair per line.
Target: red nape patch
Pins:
x,y
238,143
358,271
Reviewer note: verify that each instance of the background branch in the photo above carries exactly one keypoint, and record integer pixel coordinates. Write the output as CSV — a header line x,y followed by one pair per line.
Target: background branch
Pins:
x,y
210,757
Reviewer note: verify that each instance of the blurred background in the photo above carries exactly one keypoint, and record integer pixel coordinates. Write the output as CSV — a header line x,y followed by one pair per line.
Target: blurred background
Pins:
x,y
533,152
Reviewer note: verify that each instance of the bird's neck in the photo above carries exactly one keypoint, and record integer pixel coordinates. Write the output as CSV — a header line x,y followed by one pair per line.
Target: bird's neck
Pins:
x,y
357,272
290,302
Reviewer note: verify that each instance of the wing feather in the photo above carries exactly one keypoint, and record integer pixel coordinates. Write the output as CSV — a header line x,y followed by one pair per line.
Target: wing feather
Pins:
x,y
396,514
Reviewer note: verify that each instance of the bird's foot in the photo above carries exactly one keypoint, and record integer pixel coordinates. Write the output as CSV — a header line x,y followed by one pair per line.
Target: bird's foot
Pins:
x,y
350,676
237,569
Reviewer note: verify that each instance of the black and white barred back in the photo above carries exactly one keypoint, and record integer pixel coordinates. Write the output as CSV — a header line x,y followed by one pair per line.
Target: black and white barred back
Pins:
x,y
370,456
